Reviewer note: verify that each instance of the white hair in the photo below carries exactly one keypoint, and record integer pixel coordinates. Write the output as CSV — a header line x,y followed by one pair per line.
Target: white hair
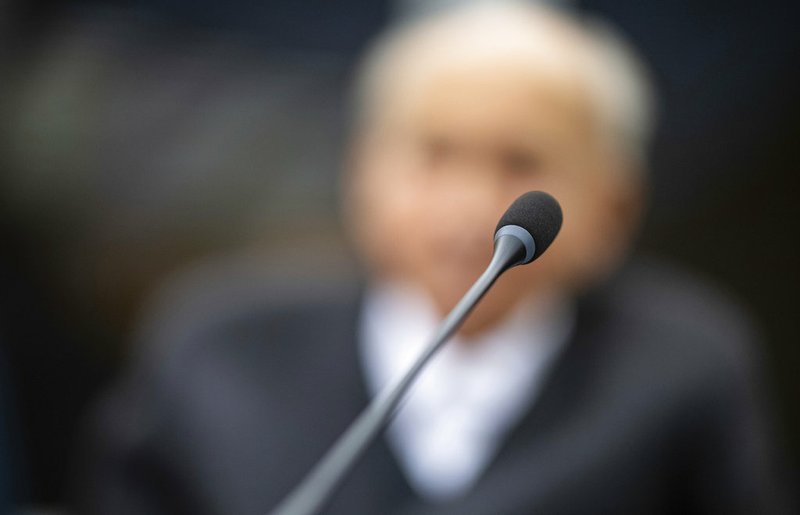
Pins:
x,y
588,51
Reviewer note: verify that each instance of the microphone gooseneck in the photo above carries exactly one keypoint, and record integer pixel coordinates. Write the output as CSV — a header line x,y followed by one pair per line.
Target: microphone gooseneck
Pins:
x,y
524,232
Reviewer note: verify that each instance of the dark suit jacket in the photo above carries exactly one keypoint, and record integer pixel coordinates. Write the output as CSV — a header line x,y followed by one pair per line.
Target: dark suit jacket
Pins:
x,y
650,409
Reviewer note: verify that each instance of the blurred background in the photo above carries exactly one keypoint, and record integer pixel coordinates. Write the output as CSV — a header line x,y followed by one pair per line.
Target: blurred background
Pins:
x,y
142,139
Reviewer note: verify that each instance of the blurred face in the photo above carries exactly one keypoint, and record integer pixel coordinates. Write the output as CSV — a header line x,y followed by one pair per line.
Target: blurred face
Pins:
x,y
449,153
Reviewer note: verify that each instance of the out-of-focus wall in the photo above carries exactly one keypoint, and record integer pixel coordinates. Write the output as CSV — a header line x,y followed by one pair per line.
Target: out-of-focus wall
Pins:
x,y
135,146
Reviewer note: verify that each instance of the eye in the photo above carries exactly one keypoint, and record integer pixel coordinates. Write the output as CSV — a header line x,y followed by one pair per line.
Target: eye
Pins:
x,y
520,163
437,151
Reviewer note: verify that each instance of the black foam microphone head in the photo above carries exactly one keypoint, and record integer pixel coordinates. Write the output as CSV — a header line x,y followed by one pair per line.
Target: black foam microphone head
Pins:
x,y
538,213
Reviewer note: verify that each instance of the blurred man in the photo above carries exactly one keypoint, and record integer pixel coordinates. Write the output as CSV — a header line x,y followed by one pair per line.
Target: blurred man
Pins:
x,y
574,387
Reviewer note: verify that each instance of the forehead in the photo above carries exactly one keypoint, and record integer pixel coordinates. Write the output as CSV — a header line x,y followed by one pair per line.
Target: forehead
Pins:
x,y
487,99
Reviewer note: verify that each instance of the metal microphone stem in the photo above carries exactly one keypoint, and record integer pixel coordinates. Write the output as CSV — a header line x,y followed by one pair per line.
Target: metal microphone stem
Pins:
x,y
315,490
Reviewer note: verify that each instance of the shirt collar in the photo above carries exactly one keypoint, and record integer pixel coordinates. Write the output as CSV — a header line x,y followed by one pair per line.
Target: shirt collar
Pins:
x,y
470,394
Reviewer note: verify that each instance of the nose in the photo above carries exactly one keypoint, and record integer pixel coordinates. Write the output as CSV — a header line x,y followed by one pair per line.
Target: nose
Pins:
x,y
473,197
477,186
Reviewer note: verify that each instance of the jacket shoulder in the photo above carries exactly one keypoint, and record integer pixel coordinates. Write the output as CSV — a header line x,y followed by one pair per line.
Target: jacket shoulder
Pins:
x,y
680,326
216,312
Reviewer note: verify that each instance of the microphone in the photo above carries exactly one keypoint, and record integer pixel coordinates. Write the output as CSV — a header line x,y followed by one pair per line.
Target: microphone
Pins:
x,y
535,219
523,233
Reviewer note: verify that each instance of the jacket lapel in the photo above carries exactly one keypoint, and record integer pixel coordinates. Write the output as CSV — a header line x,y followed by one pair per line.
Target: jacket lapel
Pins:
x,y
520,478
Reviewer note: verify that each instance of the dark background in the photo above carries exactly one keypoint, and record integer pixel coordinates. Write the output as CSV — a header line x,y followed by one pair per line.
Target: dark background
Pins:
x,y
141,137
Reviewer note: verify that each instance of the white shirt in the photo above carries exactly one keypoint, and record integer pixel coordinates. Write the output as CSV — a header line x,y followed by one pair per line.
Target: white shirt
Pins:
x,y
471,394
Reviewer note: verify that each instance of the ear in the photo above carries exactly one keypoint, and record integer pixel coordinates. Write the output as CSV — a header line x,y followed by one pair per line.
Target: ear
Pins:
x,y
353,176
351,194
625,202
357,190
